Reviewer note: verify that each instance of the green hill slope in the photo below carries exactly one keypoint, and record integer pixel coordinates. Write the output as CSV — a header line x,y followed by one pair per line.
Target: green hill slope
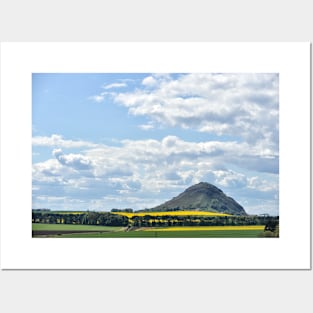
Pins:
x,y
202,197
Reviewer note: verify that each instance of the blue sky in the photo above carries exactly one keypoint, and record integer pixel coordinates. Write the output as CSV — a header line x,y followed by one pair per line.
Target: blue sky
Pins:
x,y
103,141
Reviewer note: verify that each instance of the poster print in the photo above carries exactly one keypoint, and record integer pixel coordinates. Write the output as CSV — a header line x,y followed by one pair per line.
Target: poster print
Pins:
x,y
120,129
155,155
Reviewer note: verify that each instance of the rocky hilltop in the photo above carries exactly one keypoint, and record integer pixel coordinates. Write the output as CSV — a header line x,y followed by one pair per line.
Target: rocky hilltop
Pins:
x,y
202,197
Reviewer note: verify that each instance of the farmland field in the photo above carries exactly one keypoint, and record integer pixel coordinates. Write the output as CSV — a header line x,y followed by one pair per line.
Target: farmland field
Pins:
x,y
171,234
86,231
209,228
52,230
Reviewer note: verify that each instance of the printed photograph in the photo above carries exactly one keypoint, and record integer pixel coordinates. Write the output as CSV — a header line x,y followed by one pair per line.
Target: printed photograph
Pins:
x,y
155,155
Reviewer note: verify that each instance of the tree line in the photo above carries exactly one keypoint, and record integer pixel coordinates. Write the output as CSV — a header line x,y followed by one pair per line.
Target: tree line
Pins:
x,y
108,219
193,220
82,218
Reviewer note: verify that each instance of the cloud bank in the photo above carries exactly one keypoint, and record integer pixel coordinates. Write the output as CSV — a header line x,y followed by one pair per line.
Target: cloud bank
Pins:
x,y
147,172
244,105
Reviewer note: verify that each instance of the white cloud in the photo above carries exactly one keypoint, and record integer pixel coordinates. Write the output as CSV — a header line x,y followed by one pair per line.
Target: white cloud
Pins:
x,y
76,161
115,85
48,171
149,81
262,185
153,171
58,141
230,178
146,126
144,173
242,105
97,98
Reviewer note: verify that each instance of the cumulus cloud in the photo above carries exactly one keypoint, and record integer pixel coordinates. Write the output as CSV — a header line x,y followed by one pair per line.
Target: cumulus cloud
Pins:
x,y
230,178
58,141
146,126
244,105
172,162
149,81
76,161
47,171
152,170
115,85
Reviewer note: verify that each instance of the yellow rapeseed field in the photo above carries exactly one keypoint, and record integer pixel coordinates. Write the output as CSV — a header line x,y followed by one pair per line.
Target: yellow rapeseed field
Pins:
x,y
171,213
192,228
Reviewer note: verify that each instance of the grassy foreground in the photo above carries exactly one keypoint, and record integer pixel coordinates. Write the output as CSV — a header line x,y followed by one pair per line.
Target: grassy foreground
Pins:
x,y
87,231
171,234
68,227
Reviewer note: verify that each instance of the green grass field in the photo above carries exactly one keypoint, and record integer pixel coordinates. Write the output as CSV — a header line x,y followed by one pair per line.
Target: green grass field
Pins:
x,y
86,231
171,234
67,227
